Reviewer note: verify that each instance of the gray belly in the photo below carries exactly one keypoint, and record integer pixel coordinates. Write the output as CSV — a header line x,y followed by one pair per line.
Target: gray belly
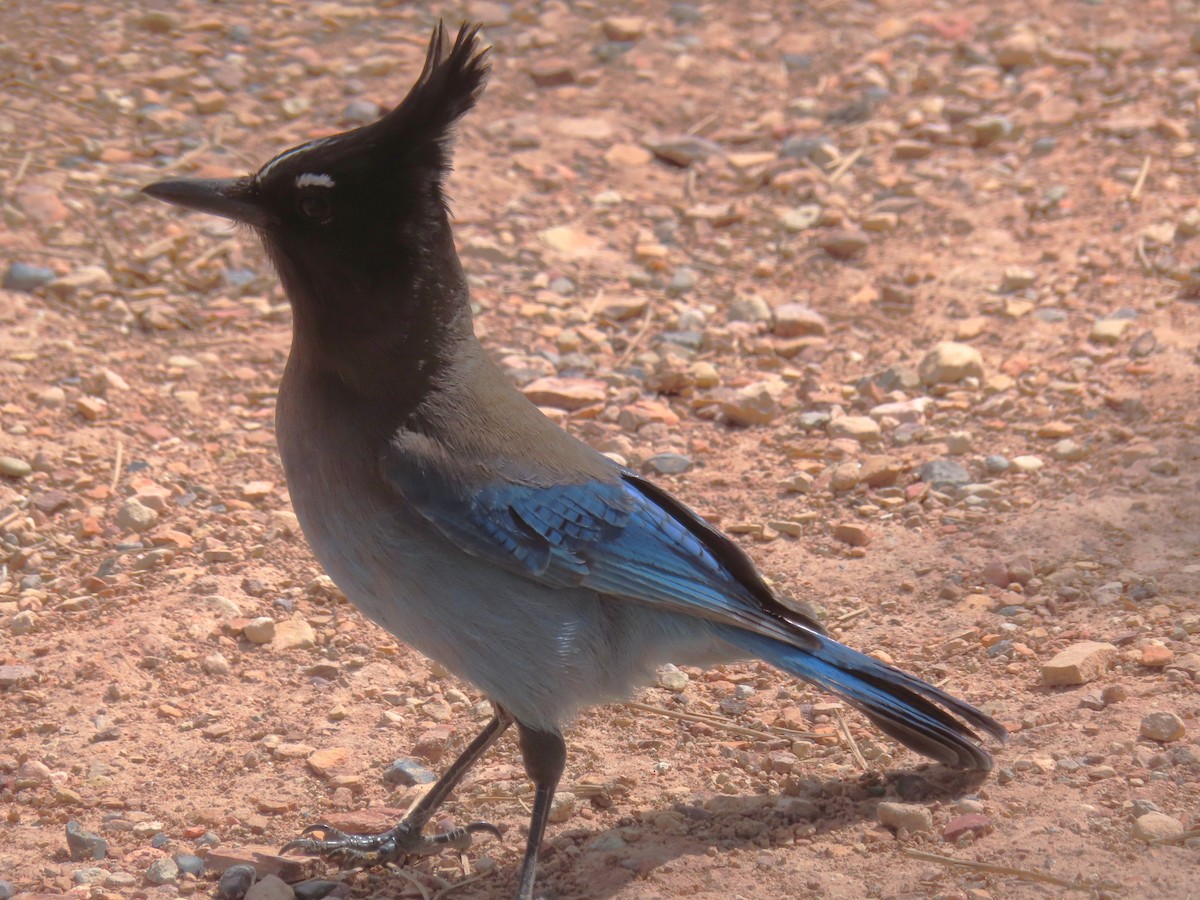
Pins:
x,y
540,652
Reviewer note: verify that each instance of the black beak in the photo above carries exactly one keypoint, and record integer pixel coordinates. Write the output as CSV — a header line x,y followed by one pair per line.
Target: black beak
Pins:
x,y
231,198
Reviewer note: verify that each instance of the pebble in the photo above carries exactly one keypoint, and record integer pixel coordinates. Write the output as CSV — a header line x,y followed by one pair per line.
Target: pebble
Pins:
x,y
133,516
260,630
1016,278
995,463
328,760
798,320
7,890
407,772
950,362
14,467
623,28
960,826
314,888
754,404
684,150
293,634
909,816
83,844
844,244
1068,450
189,864
1108,331
562,806
1164,727
163,871
852,533
863,429
1078,664
669,463
1153,826
672,679
270,887
938,473
1027,463
570,394
215,664
26,278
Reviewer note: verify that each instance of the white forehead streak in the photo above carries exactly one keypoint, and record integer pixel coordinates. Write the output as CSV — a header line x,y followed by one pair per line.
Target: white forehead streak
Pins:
x,y
295,151
310,180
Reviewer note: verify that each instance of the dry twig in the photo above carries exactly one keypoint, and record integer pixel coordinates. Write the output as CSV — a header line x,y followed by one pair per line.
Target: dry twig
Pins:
x,y
996,869
1136,191
858,757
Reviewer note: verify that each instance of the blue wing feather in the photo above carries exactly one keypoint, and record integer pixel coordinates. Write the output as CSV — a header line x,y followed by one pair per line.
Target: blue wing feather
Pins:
x,y
610,536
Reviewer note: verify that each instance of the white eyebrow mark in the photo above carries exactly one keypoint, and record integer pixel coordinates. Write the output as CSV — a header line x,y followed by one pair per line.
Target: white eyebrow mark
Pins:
x,y
311,180
303,148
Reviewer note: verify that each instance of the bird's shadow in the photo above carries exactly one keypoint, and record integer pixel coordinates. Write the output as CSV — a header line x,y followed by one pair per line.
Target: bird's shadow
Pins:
x,y
652,838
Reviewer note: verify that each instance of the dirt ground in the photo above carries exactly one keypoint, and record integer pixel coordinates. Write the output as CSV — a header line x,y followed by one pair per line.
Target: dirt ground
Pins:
x,y
736,233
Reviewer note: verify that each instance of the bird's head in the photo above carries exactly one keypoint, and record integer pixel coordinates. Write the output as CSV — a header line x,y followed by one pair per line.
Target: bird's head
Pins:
x,y
361,213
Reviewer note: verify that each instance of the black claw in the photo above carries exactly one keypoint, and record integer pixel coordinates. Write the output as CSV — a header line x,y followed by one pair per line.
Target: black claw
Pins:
x,y
485,827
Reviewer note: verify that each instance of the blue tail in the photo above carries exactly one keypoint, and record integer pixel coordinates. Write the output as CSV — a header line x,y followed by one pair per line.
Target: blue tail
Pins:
x,y
902,705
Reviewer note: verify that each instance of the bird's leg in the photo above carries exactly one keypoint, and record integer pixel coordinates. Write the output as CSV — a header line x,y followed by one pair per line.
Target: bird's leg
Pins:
x,y
405,839
545,757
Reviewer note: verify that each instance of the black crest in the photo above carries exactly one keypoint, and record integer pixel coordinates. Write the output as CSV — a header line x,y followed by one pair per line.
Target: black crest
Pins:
x,y
450,83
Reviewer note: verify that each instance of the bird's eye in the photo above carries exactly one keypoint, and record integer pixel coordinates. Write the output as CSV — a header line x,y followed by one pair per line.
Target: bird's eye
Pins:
x,y
316,207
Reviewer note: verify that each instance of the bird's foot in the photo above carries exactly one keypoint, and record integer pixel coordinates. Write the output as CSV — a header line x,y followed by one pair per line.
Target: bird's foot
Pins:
x,y
396,845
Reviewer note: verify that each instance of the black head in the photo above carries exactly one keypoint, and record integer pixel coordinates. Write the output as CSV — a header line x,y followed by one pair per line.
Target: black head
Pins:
x,y
350,220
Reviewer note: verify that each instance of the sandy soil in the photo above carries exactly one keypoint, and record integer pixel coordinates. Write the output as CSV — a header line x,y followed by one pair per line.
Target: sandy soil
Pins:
x,y
1020,178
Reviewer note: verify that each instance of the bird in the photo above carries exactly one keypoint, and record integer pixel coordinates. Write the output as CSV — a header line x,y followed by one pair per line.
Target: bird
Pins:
x,y
462,520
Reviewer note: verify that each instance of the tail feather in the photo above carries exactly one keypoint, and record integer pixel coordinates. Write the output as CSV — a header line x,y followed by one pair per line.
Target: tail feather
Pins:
x,y
917,714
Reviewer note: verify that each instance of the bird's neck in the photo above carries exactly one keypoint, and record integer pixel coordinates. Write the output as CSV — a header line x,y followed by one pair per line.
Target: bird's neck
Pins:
x,y
392,332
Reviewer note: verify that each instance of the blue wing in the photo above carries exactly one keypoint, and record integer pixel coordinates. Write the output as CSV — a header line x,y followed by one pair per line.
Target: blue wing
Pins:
x,y
622,537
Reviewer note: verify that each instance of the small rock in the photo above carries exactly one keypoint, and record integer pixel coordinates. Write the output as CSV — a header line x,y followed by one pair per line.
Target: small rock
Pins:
x,y
7,890
1016,278
315,888
971,823
672,679
1017,50
163,871
944,472
1027,463
565,393
83,844
133,516
15,468
1163,727
669,463
1154,826
1068,450
26,278
852,533
215,664
863,429
1156,656
327,761
407,772
1078,664
798,320
235,882
260,630
754,404
950,362
623,28
271,887
562,807
294,634
843,244
684,150
909,816
189,864
1108,331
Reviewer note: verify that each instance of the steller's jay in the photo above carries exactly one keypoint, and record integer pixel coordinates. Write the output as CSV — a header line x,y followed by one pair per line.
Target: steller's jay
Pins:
x,y
453,513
